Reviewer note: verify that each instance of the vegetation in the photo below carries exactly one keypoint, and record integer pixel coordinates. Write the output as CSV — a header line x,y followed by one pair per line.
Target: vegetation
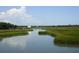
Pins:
x,y
13,32
4,25
7,30
8,33
63,35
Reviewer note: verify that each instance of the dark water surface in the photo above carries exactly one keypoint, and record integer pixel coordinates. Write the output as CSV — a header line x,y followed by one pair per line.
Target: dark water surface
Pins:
x,y
33,43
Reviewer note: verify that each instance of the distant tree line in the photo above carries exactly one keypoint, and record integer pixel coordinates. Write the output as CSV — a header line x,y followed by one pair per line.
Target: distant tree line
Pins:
x,y
66,26
56,26
4,25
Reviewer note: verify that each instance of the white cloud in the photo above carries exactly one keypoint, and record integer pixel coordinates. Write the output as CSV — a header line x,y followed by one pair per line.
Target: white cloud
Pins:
x,y
18,16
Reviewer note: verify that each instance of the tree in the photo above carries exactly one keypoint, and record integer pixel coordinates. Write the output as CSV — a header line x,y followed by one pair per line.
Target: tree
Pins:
x,y
4,25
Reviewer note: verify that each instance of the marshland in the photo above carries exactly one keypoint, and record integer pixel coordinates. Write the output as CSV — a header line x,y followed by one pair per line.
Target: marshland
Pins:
x,y
63,35
39,38
43,29
7,30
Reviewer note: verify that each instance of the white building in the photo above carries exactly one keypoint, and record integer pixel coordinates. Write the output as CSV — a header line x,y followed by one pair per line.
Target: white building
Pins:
x,y
29,26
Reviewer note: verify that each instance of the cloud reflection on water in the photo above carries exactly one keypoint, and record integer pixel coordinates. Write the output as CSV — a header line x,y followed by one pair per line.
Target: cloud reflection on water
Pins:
x,y
20,41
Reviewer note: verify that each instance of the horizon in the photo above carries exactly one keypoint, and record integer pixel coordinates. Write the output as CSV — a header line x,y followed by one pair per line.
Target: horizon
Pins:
x,y
40,15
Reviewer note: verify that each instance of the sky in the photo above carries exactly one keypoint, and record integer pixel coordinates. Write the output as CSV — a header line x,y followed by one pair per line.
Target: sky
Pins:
x,y
40,15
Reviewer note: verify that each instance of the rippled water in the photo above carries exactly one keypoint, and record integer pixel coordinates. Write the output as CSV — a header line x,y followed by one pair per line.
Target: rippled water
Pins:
x,y
33,42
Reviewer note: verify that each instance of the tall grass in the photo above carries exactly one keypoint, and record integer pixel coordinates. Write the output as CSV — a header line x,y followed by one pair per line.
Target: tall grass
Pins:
x,y
13,32
64,35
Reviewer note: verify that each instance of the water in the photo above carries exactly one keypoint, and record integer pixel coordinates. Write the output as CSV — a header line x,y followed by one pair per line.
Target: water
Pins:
x,y
33,43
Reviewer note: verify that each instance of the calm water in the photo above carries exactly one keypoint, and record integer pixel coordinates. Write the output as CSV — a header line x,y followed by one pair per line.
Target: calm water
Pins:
x,y
33,42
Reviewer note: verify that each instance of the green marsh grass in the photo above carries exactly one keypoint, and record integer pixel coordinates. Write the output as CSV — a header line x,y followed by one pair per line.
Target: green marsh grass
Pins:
x,y
13,32
64,35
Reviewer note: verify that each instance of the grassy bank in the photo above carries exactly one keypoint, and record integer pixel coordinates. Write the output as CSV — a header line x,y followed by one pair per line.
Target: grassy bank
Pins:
x,y
13,32
64,35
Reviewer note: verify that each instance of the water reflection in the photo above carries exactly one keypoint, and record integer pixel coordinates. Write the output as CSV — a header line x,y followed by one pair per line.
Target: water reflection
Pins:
x,y
15,41
29,32
34,42
20,41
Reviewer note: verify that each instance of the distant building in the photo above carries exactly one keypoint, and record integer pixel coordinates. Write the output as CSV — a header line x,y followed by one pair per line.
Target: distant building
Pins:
x,y
29,26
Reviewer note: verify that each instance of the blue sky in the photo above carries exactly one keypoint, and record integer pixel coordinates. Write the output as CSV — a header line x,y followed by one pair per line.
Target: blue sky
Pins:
x,y
41,15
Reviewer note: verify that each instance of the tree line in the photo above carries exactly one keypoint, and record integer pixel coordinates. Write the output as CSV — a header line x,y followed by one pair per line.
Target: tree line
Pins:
x,y
4,25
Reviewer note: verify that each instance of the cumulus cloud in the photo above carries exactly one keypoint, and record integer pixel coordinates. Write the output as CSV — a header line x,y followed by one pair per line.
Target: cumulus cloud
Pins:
x,y
16,15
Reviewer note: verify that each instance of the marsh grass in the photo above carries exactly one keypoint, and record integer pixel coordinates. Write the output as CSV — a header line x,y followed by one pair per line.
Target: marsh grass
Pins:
x,y
13,32
64,35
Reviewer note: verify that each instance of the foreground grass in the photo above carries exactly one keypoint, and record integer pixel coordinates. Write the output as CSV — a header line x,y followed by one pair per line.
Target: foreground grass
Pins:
x,y
13,32
63,35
